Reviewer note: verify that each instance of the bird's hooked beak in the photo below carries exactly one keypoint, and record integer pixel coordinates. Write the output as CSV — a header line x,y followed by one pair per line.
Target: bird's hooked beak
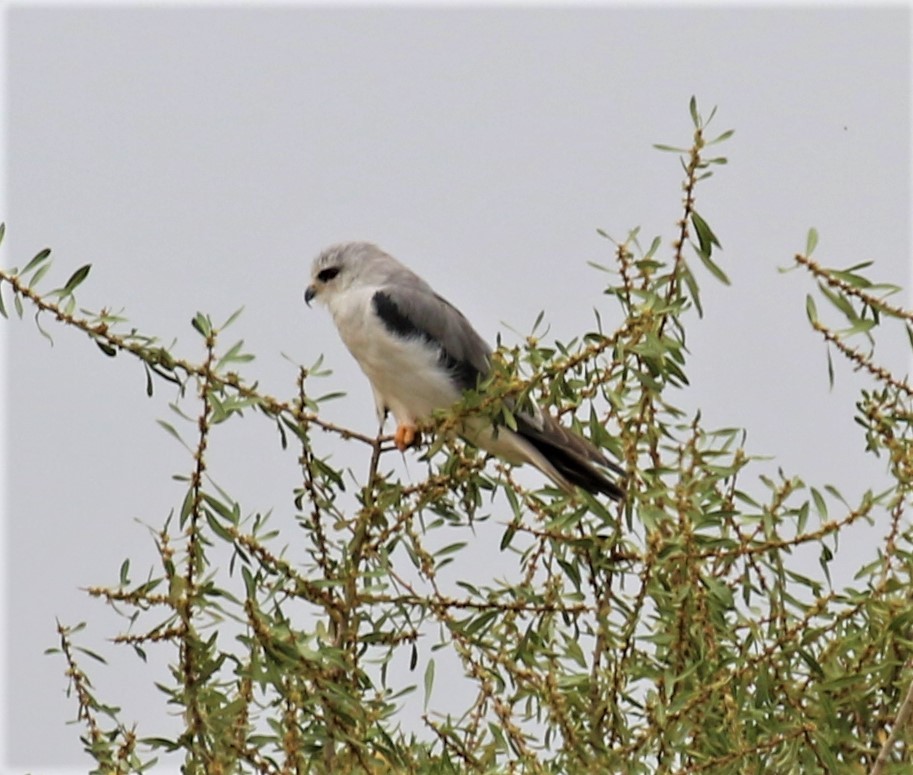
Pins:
x,y
309,294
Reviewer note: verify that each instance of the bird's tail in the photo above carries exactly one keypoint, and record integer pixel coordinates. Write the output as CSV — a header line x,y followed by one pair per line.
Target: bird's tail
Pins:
x,y
573,460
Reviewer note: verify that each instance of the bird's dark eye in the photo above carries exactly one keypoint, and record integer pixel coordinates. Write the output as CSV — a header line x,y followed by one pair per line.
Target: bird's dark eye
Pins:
x,y
325,275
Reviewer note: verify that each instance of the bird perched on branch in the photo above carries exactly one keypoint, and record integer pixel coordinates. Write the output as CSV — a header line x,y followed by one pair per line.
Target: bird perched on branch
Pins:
x,y
420,354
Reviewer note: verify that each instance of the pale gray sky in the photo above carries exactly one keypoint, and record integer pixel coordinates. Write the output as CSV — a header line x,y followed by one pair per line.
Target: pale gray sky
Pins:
x,y
200,157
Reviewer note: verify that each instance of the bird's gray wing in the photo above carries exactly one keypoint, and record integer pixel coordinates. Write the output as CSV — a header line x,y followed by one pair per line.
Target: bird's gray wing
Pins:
x,y
409,308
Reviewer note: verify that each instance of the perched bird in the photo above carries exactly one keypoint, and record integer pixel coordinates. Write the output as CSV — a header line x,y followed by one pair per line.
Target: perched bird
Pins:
x,y
420,354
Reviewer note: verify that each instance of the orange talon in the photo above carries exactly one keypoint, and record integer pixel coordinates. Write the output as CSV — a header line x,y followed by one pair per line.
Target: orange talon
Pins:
x,y
405,437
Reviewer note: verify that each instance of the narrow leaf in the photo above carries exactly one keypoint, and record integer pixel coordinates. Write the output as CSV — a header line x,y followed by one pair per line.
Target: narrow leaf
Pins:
x,y
693,289
44,333
820,503
811,310
508,536
201,324
715,270
840,302
36,260
170,428
429,681
76,278
233,317
695,116
725,136
705,234
90,653
654,246
39,273
811,242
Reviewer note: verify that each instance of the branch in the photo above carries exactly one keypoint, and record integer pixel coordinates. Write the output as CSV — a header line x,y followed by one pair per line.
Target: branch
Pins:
x,y
903,716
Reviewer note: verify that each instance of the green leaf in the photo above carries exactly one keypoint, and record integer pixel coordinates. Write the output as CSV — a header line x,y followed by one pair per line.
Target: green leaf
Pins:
x,y
3,306
715,270
840,302
705,235
824,561
654,246
106,348
674,149
229,514
508,536
695,116
723,137
693,289
125,573
429,681
234,355
44,333
811,310
39,273
170,428
187,506
90,653
598,508
509,420
857,267
232,318
202,325
250,583
218,528
849,276
820,503
39,258
76,278
720,591
811,241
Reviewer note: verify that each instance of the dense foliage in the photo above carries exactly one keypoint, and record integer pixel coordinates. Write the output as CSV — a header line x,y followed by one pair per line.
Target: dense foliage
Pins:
x,y
674,632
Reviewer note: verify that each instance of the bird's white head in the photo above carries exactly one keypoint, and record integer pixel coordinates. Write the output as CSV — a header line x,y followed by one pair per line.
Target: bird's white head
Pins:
x,y
346,266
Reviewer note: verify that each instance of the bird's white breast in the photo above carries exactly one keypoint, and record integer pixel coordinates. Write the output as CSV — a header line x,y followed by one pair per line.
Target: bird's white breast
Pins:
x,y
405,372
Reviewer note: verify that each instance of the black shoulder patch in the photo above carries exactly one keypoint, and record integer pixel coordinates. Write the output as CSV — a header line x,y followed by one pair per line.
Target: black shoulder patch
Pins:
x,y
400,324
393,318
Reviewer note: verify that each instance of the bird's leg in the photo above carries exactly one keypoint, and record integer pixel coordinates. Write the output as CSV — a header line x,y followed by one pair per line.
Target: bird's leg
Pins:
x,y
406,435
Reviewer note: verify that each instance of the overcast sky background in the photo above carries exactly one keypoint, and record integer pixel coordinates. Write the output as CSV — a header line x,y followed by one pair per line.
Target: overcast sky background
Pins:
x,y
199,158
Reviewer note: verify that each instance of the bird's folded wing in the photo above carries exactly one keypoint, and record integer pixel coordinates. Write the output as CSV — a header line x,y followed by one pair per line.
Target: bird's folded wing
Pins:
x,y
414,310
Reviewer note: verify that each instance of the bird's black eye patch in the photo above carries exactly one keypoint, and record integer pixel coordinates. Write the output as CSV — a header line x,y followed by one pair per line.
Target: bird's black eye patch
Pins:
x,y
325,275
